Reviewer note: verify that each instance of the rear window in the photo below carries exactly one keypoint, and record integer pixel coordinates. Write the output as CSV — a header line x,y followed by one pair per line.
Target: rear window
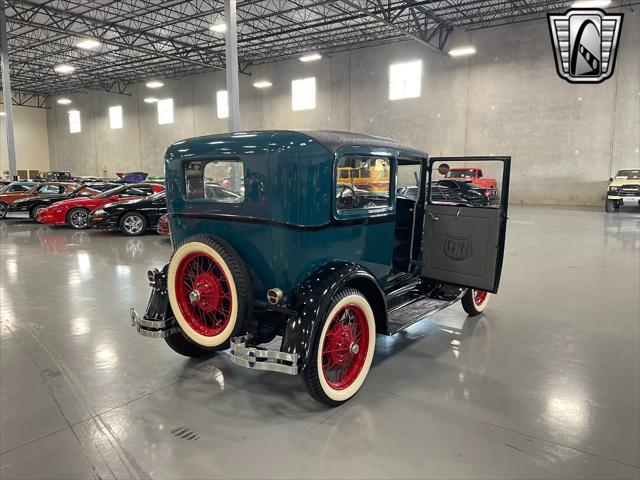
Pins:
x,y
216,180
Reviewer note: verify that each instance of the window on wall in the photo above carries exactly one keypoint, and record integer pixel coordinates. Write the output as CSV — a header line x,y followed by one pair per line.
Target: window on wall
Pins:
x,y
115,117
165,111
74,121
303,94
405,80
222,104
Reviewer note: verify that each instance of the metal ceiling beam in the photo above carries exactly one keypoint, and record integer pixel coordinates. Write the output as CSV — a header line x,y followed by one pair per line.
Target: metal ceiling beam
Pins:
x,y
422,27
171,39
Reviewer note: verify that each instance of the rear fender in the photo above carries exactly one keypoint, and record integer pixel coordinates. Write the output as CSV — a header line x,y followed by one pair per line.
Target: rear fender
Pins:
x,y
312,298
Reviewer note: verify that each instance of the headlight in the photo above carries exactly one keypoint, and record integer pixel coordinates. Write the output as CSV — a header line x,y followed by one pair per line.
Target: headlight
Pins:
x,y
99,212
613,189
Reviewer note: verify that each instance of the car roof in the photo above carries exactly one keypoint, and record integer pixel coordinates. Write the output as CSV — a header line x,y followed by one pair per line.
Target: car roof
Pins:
x,y
332,140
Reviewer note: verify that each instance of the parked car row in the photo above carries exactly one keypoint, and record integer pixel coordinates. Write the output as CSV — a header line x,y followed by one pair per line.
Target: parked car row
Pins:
x,y
132,209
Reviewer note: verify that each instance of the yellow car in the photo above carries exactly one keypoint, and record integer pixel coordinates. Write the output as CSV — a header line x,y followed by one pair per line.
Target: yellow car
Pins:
x,y
624,189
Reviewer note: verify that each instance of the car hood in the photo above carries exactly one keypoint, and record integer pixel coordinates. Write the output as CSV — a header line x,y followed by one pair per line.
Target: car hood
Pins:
x,y
619,182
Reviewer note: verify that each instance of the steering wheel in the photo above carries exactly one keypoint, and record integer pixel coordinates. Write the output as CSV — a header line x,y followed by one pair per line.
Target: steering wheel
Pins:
x,y
354,195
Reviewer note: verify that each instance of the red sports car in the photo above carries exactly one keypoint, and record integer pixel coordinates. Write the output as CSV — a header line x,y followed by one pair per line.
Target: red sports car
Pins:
x,y
75,211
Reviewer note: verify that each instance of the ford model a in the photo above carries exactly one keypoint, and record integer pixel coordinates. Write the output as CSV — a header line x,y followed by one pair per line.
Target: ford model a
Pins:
x,y
284,260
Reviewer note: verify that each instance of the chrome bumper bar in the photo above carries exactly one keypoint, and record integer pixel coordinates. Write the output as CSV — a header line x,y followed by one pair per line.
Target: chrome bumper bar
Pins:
x,y
152,328
262,359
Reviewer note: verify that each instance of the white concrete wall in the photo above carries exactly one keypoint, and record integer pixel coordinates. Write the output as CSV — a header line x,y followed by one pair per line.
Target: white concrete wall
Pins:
x,y
565,139
31,137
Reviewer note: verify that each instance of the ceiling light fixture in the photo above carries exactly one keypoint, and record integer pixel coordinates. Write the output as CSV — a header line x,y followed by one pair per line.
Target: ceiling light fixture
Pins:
x,y
2,114
262,84
459,52
218,27
64,101
591,4
88,44
312,57
64,69
154,84
151,100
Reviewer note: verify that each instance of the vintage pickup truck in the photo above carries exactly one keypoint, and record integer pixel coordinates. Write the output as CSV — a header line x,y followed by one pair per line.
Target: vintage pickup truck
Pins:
x,y
473,175
301,269
624,189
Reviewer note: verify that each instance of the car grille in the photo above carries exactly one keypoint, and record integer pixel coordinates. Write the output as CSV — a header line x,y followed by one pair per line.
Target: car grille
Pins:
x,y
629,191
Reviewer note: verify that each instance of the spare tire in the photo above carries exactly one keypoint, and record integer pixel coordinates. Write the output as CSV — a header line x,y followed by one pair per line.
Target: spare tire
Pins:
x,y
209,291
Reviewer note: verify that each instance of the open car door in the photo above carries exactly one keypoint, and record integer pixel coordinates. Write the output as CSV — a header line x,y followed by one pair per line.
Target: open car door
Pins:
x,y
465,223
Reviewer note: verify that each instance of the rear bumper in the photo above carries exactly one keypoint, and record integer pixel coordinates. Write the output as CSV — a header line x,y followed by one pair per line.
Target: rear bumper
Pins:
x,y
259,358
154,328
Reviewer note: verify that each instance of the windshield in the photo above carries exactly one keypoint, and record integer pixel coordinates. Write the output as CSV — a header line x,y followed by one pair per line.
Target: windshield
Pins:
x,y
157,196
84,190
113,191
628,175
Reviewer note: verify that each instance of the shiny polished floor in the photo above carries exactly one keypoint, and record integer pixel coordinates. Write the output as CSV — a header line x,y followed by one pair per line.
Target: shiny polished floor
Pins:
x,y
545,384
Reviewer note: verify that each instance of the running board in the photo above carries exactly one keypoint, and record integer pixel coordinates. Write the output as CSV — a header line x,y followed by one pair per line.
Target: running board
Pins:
x,y
414,311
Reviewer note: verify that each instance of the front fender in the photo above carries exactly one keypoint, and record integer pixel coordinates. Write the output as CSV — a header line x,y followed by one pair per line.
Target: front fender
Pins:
x,y
311,301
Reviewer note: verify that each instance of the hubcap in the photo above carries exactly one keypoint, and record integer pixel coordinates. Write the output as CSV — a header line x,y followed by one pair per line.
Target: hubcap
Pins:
x,y
204,294
79,219
344,349
3,211
133,224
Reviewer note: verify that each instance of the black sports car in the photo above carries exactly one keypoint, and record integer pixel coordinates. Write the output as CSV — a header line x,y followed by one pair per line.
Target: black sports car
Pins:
x,y
131,217
29,207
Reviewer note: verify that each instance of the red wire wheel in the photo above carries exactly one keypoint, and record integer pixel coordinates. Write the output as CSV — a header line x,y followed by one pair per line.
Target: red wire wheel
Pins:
x,y
342,349
479,296
345,346
209,291
204,294
475,301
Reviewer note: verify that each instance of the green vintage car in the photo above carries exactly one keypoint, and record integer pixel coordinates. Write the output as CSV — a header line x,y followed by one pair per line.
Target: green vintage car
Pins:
x,y
284,262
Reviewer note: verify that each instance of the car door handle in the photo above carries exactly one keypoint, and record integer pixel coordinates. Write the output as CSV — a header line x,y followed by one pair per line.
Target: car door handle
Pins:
x,y
433,217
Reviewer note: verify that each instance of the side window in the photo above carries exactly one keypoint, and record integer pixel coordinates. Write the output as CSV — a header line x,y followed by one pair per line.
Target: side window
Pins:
x,y
218,180
363,182
49,189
